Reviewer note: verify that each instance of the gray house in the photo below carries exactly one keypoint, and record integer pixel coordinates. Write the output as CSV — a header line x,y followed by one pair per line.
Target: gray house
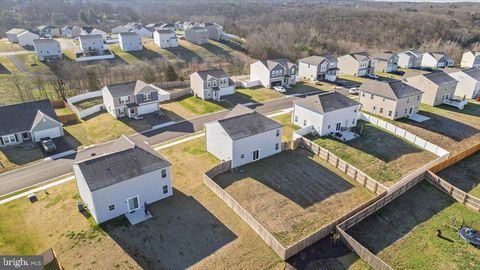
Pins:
x,y
277,72
47,49
197,35
131,99
385,61
28,122
211,84
318,68
12,34
121,178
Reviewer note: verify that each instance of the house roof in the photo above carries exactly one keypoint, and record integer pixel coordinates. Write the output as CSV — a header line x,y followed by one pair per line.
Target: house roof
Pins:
x,y
168,25
392,89
155,24
437,55
472,72
15,31
242,122
360,56
130,88
165,31
313,60
27,33
45,41
326,102
440,78
384,55
94,36
271,64
197,29
22,116
120,161
212,73
128,34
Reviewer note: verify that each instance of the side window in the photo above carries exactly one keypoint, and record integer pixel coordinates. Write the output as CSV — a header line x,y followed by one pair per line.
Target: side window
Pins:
x,y
165,189
276,146
111,207
278,133
164,173
242,156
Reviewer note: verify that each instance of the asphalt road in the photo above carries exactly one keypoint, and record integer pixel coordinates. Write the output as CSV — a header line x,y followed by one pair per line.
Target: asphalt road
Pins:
x,y
43,171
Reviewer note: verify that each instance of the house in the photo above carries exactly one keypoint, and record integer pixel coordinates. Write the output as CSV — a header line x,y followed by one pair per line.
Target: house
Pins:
x,y
277,72
436,60
48,31
178,25
165,38
88,30
318,68
410,59
47,49
131,99
121,178
132,27
168,26
470,59
468,82
243,136
326,113
71,31
390,99
12,34
197,35
187,25
28,122
152,27
385,62
215,31
91,44
211,84
25,39
437,87
130,41
356,64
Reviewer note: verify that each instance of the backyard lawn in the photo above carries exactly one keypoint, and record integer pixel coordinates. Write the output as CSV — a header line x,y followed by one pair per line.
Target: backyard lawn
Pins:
x,y
6,46
352,78
259,94
127,56
189,107
403,233
87,103
380,154
293,193
465,175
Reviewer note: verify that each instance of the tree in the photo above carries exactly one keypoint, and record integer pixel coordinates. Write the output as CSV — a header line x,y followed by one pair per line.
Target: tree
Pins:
x,y
148,74
170,74
92,81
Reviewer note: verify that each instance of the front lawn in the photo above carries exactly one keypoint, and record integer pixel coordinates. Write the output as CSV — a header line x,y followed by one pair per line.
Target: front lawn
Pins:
x,y
6,46
189,107
259,94
17,156
380,154
403,233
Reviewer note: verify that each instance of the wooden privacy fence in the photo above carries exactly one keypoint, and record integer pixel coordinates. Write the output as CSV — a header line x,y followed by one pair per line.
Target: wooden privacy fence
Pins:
x,y
57,103
454,192
174,84
456,158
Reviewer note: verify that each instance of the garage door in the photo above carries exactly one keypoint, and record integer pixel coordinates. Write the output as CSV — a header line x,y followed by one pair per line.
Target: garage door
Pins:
x,y
51,132
278,83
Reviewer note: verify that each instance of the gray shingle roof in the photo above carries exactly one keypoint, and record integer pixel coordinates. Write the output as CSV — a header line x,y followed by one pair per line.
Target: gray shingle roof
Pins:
x,y
384,55
312,60
212,73
271,64
473,72
121,161
392,89
243,122
360,56
15,31
440,78
129,88
128,34
437,55
164,31
45,41
326,102
21,117
94,36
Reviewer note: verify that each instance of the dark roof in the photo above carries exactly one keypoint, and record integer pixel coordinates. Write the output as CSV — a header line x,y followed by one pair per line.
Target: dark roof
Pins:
x,y
128,34
440,78
243,122
129,88
20,117
212,73
360,56
473,72
384,55
122,160
164,31
271,64
392,89
327,102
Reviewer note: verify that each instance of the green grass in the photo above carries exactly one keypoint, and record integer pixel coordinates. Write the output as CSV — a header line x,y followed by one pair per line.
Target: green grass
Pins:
x,y
259,94
189,106
6,46
8,65
31,63
128,57
288,127
87,103
16,156
62,111
380,154
352,78
465,175
388,75
403,233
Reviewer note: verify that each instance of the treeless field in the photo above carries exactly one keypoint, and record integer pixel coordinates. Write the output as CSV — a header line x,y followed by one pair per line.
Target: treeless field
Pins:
x,y
403,233
293,193
465,174
188,107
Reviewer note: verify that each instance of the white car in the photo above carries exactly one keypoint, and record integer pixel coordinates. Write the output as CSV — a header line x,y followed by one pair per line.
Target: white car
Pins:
x,y
372,76
354,90
280,89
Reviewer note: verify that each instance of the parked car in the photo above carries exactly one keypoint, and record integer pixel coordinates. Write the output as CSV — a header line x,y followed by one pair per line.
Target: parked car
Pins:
x,y
372,76
354,90
280,89
48,145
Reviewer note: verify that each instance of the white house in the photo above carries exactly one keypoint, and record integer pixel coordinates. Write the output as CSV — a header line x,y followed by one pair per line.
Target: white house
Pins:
x,y
211,84
28,122
277,72
12,34
410,59
91,43
168,26
243,136
436,60
165,38
326,113
215,31
25,39
197,35
71,31
468,82
47,49
130,41
318,68
132,27
122,178
470,59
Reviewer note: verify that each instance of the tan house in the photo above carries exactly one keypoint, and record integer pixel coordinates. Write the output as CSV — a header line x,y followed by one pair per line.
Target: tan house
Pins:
x,y
211,84
385,62
197,35
356,64
470,59
438,87
389,99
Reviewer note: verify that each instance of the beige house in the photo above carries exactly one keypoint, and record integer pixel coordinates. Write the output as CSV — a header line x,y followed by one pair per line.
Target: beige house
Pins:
x,y
318,68
211,84
438,87
436,60
410,59
356,64
215,31
385,62
468,82
470,59
277,72
197,35
392,99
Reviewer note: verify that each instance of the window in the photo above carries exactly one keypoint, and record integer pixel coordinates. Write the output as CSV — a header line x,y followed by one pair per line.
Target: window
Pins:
x,y
328,127
9,139
256,154
276,146
209,84
164,173
124,100
371,96
383,99
147,96
355,110
214,83
25,135
292,71
242,156
396,114
296,119
353,121
408,100
111,207
165,189
405,111
381,110
418,97
304,122
363,94
389,113
278,133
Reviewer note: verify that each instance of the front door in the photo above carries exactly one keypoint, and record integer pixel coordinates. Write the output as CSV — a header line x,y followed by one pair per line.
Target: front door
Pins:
x,y
256,154
133,204
121,112
410,111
